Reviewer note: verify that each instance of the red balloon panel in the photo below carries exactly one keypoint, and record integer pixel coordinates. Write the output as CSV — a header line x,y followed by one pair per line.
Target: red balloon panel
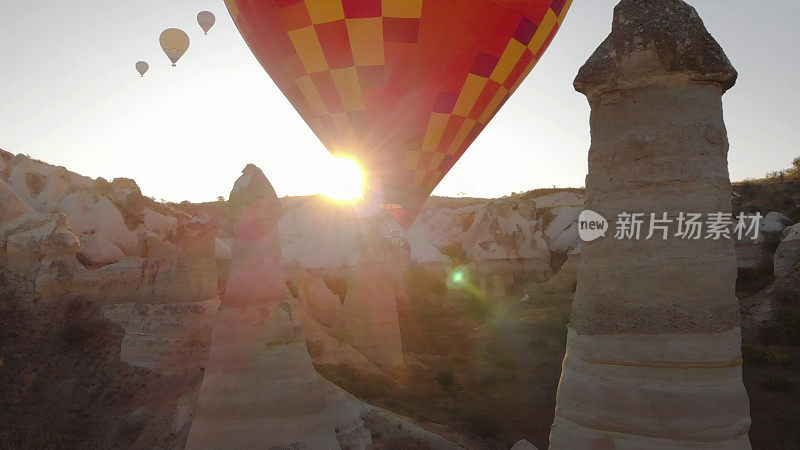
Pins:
x,y
402,86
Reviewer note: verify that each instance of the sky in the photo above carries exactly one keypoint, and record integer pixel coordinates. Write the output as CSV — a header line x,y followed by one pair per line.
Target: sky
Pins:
x,y
69,95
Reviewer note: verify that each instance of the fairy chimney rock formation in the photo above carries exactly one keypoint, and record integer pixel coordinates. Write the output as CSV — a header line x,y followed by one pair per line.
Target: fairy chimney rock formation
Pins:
x,y
255,275
651,42
260,389
653,354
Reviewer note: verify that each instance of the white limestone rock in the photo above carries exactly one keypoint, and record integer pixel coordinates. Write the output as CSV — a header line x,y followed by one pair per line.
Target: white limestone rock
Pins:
x,y
499,232
11,206
653,356
222,249
256,275
523,445
97,251
327,350
788,252
260,388
369,320
562,231
322,304
169,338
774,223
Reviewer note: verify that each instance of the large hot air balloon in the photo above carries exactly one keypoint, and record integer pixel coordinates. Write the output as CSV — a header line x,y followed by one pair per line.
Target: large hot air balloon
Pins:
x,y
174,42
401,86
142,67
206,20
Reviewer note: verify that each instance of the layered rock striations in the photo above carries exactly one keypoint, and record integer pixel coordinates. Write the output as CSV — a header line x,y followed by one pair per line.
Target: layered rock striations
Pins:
x,y
260,388
653,354
369,320
151,272
146,268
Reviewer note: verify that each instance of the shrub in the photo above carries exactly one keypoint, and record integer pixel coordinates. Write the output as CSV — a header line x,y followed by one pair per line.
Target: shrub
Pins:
x,y
753,280
419,282
76,335
778,384
456,253
789,326
752,354
506,363
473,306
445,379
482,424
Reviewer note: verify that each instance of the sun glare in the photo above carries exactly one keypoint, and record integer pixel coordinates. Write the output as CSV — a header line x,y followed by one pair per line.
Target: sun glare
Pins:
x,y
343,180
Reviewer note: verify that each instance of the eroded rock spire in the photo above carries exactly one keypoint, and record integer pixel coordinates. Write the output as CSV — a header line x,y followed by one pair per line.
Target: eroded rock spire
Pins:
x,y
653,354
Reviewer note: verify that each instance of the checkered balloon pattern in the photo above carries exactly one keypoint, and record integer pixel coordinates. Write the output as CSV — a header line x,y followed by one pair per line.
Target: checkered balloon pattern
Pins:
x,y
401,86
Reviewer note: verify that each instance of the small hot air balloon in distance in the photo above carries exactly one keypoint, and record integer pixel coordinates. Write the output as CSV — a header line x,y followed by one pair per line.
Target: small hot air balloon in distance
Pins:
x,y
206,20
142,67
174,42
403,87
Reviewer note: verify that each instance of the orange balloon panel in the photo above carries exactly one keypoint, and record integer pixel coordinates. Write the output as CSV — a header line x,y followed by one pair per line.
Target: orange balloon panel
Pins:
x,y
402,86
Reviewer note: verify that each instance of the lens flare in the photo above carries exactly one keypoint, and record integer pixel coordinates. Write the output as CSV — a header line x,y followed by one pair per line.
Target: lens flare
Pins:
x,y
343,180
458,278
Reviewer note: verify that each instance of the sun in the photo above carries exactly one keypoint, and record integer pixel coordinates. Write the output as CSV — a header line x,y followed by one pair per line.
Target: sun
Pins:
x,y
343,180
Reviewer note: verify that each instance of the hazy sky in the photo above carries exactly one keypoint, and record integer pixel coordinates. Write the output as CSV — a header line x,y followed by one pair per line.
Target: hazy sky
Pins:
x,y
69,95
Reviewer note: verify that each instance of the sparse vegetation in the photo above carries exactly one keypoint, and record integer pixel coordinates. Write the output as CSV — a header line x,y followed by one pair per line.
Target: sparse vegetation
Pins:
x,y
759,355
445,379
486,368
779,191
456,253
484,425
778,384
755,279
533,193
788,326
792,173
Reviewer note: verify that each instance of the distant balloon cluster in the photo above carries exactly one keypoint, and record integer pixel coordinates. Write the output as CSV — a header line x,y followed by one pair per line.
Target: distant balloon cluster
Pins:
x,y
175,42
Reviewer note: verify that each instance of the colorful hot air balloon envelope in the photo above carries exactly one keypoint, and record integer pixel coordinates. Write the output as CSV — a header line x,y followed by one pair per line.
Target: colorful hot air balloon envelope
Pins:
x,y
206,20
402,86
142,67
174,42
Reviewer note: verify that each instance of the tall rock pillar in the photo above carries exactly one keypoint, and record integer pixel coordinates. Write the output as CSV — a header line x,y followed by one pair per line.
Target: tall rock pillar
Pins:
x,y
653,354
255,276
260,389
